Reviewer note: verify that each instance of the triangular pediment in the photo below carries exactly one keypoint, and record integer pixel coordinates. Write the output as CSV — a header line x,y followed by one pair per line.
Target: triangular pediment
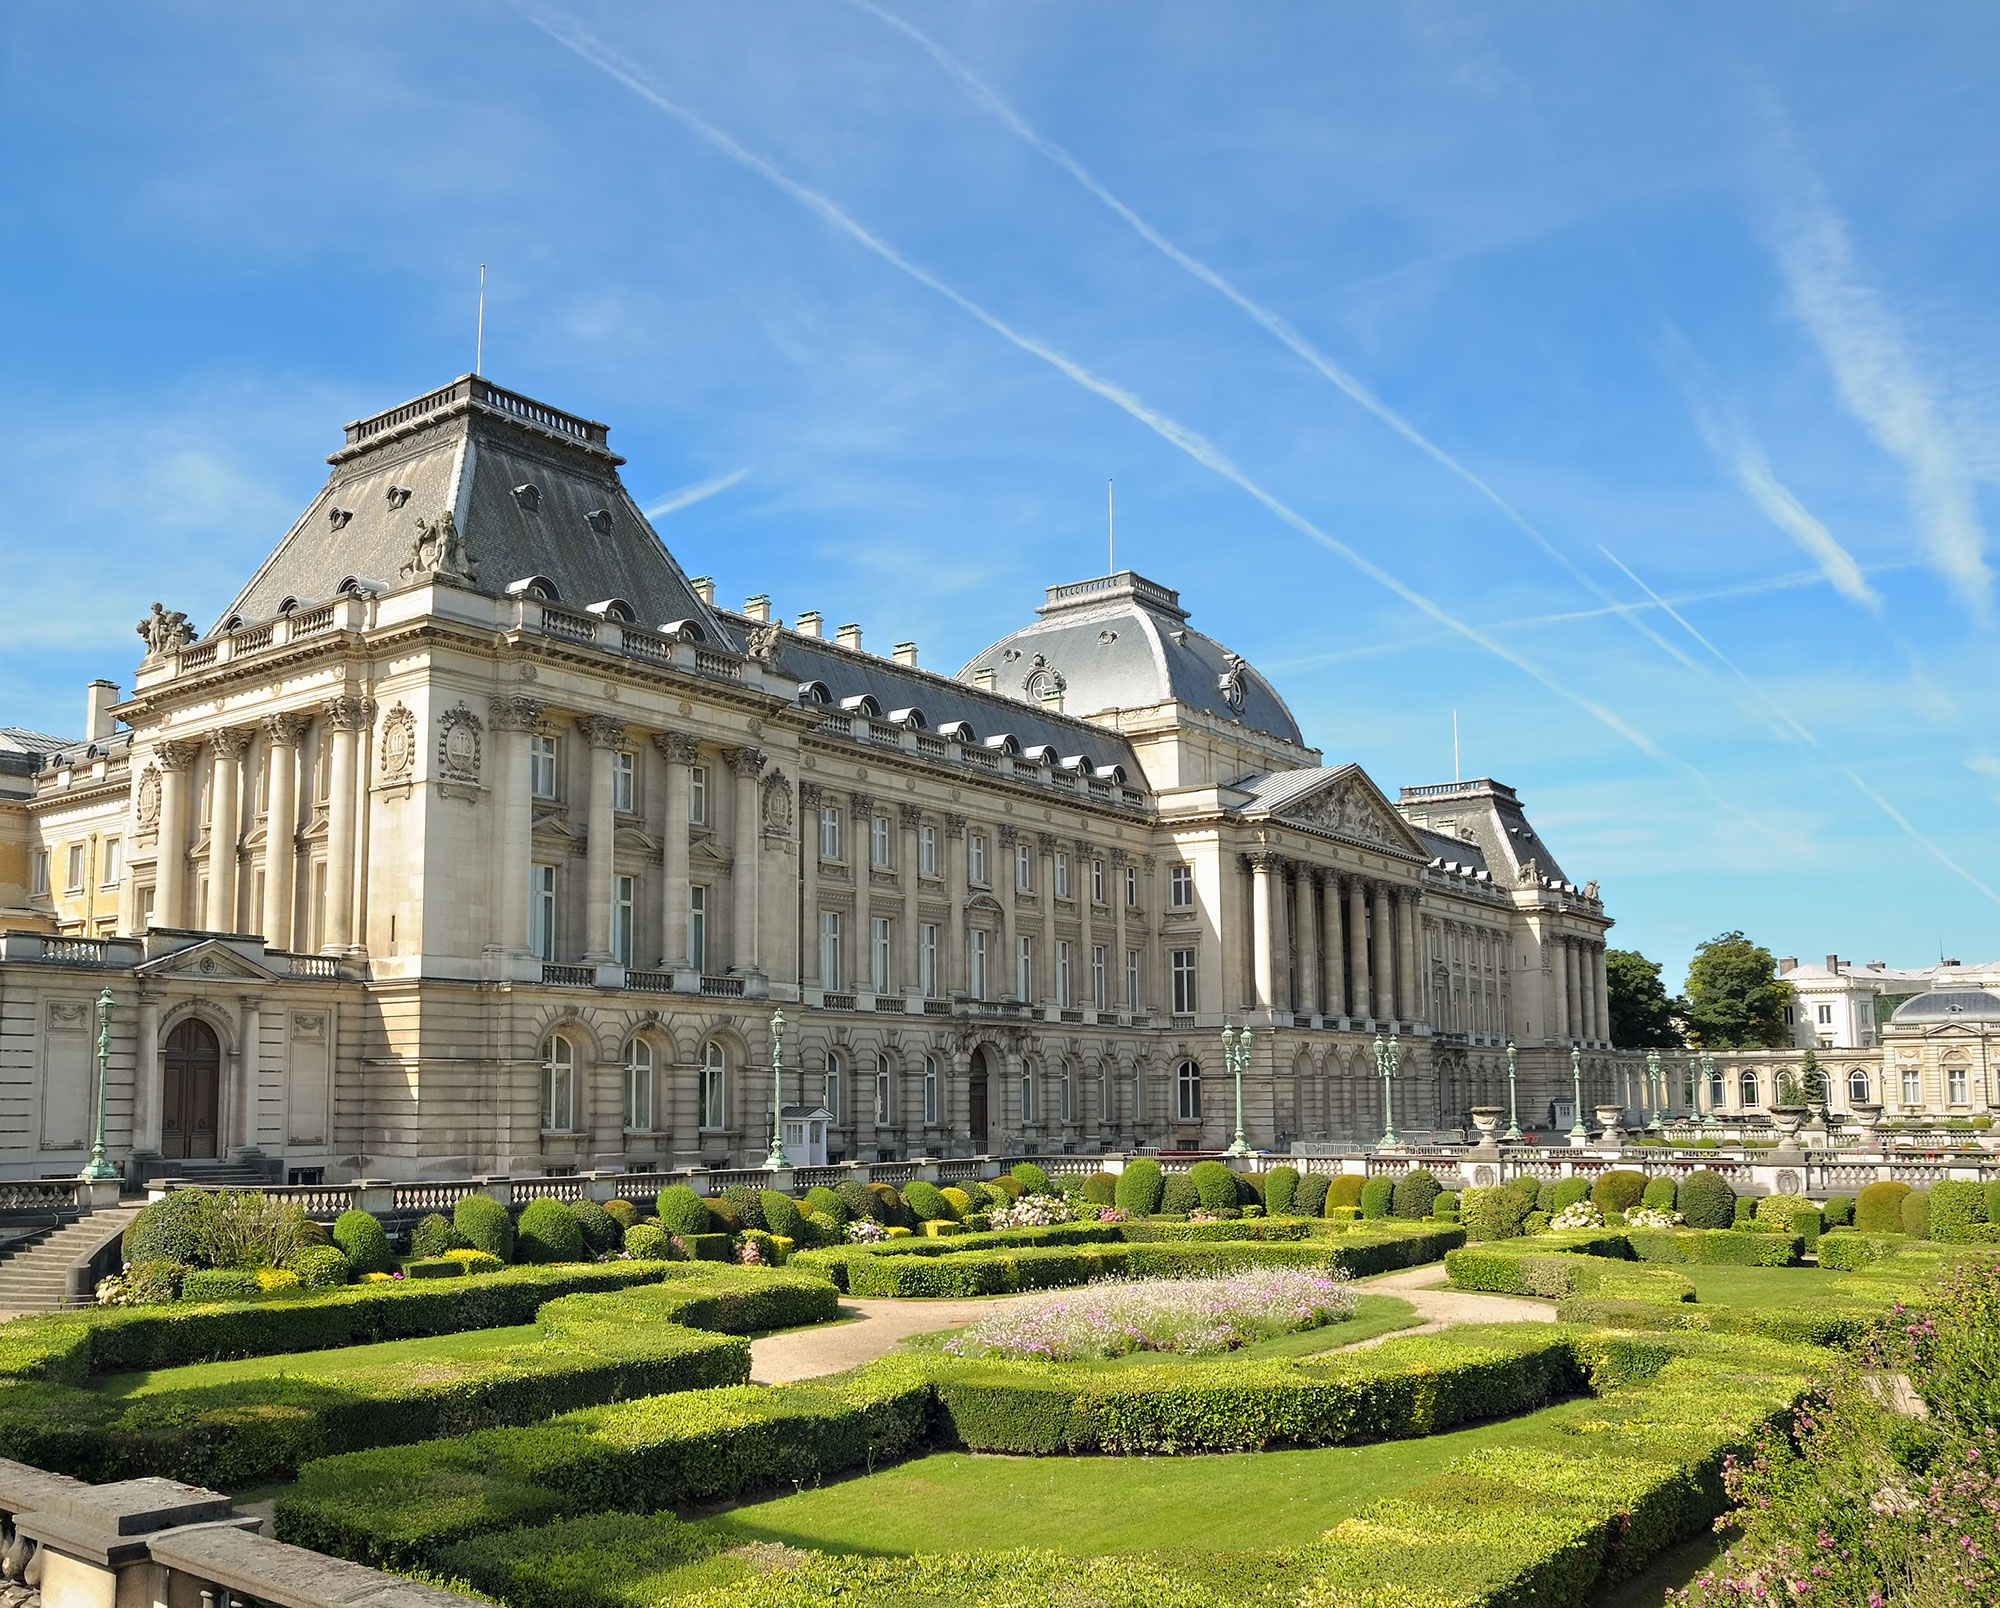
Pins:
x,y
1347,805
211,958
705,852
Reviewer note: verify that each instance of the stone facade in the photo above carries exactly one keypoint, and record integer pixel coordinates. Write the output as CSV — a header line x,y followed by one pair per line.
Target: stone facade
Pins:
x,y
473,776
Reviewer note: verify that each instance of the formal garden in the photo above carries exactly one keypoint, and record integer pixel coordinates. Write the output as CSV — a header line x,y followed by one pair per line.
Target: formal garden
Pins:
x,y
1156,1388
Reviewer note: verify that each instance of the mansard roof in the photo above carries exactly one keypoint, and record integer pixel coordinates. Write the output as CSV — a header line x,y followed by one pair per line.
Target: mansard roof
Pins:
x,y
533,493
1486,816
1947,1006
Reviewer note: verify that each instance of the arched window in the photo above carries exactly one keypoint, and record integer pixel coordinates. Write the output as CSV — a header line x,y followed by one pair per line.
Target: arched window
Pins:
x,y
1027,1094
830,1090
1956,1079
639,1087
1913,1085
714,1065
558,1085
930,1091
1068,1084
1715,1094
1746,1088
1187,1087
1857,1087
881,1090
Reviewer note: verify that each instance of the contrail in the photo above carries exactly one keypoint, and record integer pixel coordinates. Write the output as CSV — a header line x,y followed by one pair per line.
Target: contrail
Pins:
x,y
1272,323
688,496
1896,815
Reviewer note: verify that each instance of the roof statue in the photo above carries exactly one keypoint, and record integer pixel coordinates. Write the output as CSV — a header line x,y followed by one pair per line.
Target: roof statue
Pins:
x,y
165,629
438,550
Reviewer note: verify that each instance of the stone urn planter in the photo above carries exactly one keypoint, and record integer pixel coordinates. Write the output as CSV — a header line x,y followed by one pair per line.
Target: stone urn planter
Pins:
x,y
1607,1119
1487,1120
1787,1120
1868,1123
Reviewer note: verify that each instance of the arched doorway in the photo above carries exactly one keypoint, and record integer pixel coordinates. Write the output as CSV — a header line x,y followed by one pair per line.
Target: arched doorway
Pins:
x,y
190,1086
976,1100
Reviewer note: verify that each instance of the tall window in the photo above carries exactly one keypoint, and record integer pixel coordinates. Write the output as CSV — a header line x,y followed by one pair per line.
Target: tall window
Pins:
x,y
41,871
829,833
1857,1087
829,949
1183,965
1027,1094
698,926
1066,1082
1180,886
829,1093
1746,1088
558,1085
624,773
975,963
1062,973
1024,968
1024,867
881,1090
930,1091
975,858
1062,876
1097,882
927,851
542,911
112,866
1954,1084
713,1066
878,841
1132,979
1131,887
927,961
1098,984
1825,1016
79,855
622,901
639,1087
878,954
697,795
1715,1095
1187,1091
542,766
1913,1086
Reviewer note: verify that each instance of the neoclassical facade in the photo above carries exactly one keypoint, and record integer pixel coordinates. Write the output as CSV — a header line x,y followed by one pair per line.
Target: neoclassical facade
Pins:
x,y
474,835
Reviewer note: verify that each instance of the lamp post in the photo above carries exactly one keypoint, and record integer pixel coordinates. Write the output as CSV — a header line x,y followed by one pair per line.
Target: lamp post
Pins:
x,y
1385,1063
1236,1061
1706,1090
1656,1089
777,1159
1513,1133
1578,1133
98,1167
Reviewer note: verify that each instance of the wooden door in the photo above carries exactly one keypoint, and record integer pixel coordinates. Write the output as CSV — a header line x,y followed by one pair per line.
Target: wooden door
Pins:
x,y
191,1087
976,1103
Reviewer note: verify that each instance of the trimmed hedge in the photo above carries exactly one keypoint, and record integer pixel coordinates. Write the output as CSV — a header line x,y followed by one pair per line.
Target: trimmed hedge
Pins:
x,y
1659,1196
1917,1214
1180,1195
1309,1198
1618,1190
1492,1214
1878,1209
1412,1194
1099,1189
1280,1184
363,1242
1343,1190
547,1233
1215,1184
1707,1200
1031,1178
1140,1186
486,1224
1377,1196
1546,1265
599,1228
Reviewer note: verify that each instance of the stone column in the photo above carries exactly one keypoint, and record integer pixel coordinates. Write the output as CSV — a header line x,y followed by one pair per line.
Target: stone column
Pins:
x,y
1360,1005
225,794
281,824
176,759
861,857
1382,957
745,766
909,817
1330,962
1602,978
1045,871
514,721
603,735
1306,937
347,717
248,1057
677,749
1558,1011
1010,839
810,800
954,980
1114,986
1086,915
1263,950
146,1077
1153,979
1407,1008
1573,980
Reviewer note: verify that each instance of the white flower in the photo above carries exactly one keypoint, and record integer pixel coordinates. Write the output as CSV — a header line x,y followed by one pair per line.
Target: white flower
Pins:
x,y
1578,1214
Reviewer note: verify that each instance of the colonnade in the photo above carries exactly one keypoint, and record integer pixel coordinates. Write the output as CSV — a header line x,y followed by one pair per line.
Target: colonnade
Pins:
x,y
1581,989
1334,944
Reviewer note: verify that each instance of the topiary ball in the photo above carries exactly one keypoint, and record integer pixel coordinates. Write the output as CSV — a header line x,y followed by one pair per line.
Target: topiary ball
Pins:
x,y
724,1216
1032,1179
1344,1190
548,1232
486,1224
821,1199
859,1200
601,1233
926,1202
1377,1195
959,1201
1101,1189
682,1211
435,1235
622,1212
1706,1200
1917,1214
825,1227
648,1242
1840,1208
1565,1193
1214,1185
889,1208
1878,1209
782,1215
1659,1196
748,1206
1618,1190
1412,1194
319,1267
1139,1187
1280,1184
363,1241
170,1229
1309,1199
1180,1196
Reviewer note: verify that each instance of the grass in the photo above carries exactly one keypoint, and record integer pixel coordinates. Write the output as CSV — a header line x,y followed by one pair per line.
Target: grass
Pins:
x,y
1373,1315
475,1345
1758,1286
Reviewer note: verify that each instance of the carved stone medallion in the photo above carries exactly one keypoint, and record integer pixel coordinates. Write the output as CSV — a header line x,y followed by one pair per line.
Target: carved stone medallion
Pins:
x,y
399,743
458,744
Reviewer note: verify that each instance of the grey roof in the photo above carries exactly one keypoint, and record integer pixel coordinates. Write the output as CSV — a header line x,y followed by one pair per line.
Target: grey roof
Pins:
x,y
466,448
1502,837
1274,790
20,740
1452,850
1123,642
1950,1005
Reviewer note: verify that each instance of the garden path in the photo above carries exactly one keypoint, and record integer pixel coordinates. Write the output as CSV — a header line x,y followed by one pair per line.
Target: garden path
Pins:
x,y
1424,1288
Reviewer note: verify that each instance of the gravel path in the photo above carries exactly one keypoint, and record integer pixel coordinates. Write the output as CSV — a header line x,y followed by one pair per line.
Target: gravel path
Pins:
x,y
1425,1289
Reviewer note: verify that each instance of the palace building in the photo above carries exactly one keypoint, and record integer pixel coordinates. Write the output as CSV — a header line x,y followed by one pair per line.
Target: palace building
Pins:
x,y
474,836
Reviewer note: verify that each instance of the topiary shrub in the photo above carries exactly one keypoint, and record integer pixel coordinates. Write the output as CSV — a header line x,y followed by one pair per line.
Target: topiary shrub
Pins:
x,y
724,1216
926,1202
859,1200
1214,1183
824,1228
889,1208
486,1225
361,1238
1917,1214
1249,1189
171,1229
1706,1200
1659,1196
1280,1184
319,1267
1956,1205
1006,1190
961,1203
682,1211
649,1243
1746,1210
601,1233
783,1216
1100,1189
1529,1185
547,1232
1563,1193
221,1284
1790,1214
1536,1222
622,1212
1878,1209
1993,1201
1491,1214
1140,1186
1180,1196
748,1207
1618,1190
1344,1190
1377,1195
1445,1207
435,1235
821,1199
1839,1210
1032,1179
1412,1194
1309,1199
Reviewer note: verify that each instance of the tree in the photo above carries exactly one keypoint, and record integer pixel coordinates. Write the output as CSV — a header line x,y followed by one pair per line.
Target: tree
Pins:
x,y
1642,1017
1734,999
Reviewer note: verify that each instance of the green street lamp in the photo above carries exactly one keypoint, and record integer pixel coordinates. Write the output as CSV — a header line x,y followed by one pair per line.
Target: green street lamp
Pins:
x,y
1707,1091
98,1167
1236,1061
1513,1112
1578,1133
1385,1063
1656,1089
777,1160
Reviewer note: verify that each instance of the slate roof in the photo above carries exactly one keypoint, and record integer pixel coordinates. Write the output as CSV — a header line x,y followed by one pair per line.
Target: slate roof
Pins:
x,y
1274,790
1950,1005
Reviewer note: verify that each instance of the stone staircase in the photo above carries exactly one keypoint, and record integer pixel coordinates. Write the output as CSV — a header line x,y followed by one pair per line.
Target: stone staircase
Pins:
x,y
220,1174
34,1277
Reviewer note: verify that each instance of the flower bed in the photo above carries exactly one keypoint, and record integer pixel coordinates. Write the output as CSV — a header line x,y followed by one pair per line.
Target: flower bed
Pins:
x,y
1199,1316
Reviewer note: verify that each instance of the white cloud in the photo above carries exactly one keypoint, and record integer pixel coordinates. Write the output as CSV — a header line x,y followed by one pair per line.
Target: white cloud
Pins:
x,y
688,496
1746,460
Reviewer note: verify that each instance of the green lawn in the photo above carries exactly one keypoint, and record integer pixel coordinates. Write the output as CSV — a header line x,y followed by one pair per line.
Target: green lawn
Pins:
x,y
473,1345
1759,1286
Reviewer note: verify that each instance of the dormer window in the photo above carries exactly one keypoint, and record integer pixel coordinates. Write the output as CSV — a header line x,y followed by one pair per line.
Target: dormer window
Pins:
x,y
537,587
862,703
528,497
599,520
1005,743
913,719
288,605
690,630
958,731
613,608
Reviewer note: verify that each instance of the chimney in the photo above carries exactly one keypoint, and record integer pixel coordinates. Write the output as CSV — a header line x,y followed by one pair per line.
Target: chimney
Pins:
x,y
808,623
704,588
757,608
905,653
1789,963
849,636
98,698
1833,963
1052,698
985,677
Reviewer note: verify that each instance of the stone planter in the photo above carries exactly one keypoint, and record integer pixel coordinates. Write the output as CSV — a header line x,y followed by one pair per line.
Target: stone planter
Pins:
x,y
1487,1120
1607,1119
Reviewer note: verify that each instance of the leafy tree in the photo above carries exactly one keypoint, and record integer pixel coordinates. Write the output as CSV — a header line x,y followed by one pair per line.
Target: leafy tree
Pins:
x,y
1642,1016
1734,998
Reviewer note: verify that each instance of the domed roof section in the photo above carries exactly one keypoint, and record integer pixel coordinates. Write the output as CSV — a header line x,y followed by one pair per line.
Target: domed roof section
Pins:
x,y
1947,1005
1123,642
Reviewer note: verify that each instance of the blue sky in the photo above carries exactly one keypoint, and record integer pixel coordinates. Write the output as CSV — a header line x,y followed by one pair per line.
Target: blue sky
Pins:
x,y
1617,376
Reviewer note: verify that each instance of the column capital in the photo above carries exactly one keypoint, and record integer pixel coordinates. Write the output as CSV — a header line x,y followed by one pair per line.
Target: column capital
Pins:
x,y
862,804
745,762
810,794
954,825
1117,854
515,713
1010,834
348,713
287,731
911,816
1045,842
230,741
176,755
1264,861
676,747
1085,849
601,731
